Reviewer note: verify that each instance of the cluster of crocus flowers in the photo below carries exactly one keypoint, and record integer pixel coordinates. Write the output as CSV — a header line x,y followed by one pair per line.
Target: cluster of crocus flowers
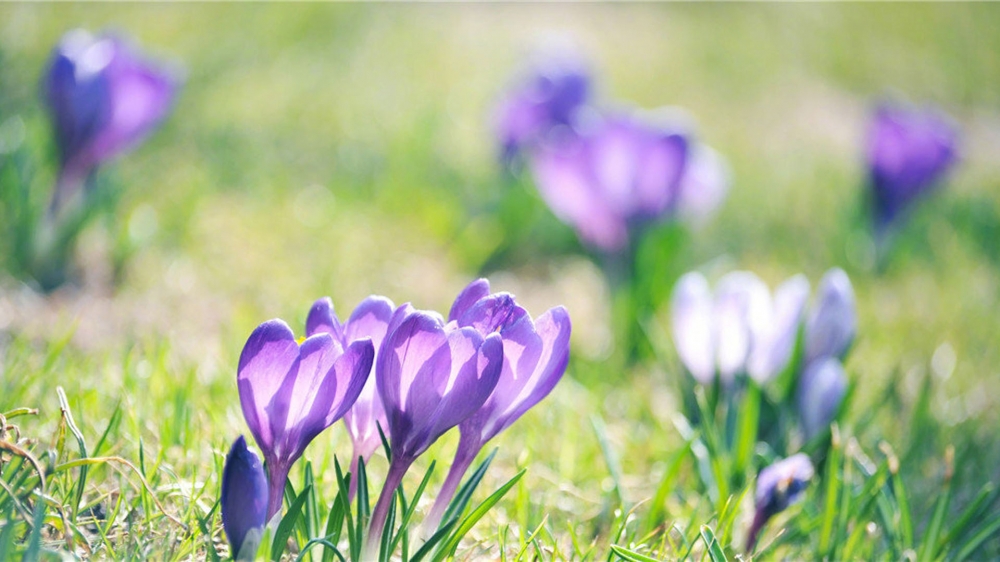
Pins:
x,y
608,172
741,330
104,98
909,152
408,372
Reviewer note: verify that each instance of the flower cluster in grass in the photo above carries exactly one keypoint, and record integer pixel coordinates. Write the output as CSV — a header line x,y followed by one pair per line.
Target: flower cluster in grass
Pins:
x,y
397,374
761,354
104,98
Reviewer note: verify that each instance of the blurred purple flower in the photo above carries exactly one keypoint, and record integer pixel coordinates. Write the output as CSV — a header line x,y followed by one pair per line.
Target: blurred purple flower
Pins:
x,y
104,98
622,172
821,389
833,321
778,486
431,376
739,329
549,96
369,320
909,151
244,499
535,357
290,392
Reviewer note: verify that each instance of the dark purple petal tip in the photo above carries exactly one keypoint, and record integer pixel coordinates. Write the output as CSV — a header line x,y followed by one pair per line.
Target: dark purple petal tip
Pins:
x,y
244,497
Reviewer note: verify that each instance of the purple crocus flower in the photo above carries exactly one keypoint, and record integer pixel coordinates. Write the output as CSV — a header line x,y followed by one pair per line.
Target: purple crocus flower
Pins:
x,y
833,321
909,151
431,376
778,486
290,392
369,320
548,97
621,173
104,98
739,328
244,500
821,389
535,357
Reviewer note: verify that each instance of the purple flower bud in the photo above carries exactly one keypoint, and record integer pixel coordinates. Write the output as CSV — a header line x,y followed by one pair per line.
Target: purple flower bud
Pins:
x,y
621,173
244,498
821,389
909,151
778,486
739,329
290,392
104,98
548,97
833,322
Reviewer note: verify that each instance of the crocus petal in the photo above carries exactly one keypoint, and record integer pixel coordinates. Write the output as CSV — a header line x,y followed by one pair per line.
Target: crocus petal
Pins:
x,y
704,185
267,358
244,496
776,341
335,390
492,313
821,389
430,379
909,151
562,174
741,304
692,310
323,319
468,297
831,326
370,319
535,358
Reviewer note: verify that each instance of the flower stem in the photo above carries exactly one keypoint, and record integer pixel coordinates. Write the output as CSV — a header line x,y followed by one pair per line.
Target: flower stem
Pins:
x,y
397,469
467,451
278,475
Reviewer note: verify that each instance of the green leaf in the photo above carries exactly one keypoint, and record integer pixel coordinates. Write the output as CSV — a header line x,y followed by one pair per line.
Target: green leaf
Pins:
x,y
409,509
476,514
436,538
667,483
986,532
630,555
287,524
712,545
746,436
81,443
34,548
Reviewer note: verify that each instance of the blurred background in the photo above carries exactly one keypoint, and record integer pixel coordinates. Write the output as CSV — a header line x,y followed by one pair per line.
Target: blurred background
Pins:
x,y
346,150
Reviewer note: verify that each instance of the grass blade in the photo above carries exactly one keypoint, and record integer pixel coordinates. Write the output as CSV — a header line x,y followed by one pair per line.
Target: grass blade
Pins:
x,y
287,524
465,491
712,545
631,556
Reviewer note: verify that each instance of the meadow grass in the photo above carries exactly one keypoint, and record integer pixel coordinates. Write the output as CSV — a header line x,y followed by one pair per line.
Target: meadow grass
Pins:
x,y
345,150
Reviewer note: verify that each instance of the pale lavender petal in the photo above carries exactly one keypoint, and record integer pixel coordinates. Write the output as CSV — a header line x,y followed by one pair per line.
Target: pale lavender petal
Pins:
x,y
337,391
268,356
323,319
657,180
821,389
297,395
831,326
692,313
535,358
370,319
741,302
563,176
471,382
704,184
773,349
492,313
468,297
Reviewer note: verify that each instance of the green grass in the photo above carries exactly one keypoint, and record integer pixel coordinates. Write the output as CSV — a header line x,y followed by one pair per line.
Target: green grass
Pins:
x,y
345,150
